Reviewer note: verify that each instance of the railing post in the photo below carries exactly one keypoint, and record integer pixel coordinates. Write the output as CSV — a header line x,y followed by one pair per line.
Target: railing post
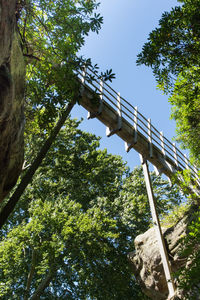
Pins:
x,y
175,154
119,110
101,97
83,80
196,174
135,124
109,131
159,171
158,230
162,143
150,138
128,146
186,161
92,115
101,89
84,74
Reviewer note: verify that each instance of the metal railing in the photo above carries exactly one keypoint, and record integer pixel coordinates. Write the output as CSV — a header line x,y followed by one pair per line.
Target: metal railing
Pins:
x,y
136,120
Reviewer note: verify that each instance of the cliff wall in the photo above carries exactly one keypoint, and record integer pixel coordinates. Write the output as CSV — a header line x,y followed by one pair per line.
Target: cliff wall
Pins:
x,y
12,74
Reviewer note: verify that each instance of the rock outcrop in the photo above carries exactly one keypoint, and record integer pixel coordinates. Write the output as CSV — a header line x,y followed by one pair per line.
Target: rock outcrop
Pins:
x,y
146,260
12,74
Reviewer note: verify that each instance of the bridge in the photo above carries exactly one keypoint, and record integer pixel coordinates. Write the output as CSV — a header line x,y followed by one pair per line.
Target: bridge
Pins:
x,y
122,118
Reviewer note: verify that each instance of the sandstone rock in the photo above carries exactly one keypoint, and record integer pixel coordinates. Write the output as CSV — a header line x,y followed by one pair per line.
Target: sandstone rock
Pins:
x,y
146,260
12,74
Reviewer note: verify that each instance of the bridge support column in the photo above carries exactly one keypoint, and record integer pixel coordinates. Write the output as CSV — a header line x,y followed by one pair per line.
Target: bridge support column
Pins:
x,y
156,222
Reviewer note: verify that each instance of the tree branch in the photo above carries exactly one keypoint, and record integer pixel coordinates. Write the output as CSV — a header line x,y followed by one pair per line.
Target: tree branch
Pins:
x,y
43,285
30,275
9,207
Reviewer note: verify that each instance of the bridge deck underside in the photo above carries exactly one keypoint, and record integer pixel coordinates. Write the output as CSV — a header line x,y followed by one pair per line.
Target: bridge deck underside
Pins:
x,y
109,117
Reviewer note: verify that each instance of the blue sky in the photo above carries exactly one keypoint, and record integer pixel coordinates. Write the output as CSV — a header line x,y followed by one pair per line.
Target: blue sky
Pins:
x,y
127,24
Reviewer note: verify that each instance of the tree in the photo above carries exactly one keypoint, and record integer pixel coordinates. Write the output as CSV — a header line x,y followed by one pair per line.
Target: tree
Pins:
x,y
172,51
72,229
188,278
51,34
186,111
172,48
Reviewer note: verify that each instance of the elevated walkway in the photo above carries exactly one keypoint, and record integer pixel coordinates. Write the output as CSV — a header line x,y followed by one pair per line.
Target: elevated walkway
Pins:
x,y
123,119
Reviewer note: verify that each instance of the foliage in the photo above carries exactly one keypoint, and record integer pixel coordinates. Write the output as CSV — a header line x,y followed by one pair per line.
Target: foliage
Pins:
x,y
177,213
173,47
185,102
52,33
188,277
133,195
172,51
75,224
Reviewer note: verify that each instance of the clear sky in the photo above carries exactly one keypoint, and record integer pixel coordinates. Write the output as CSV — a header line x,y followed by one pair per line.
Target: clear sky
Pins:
x,y
127,24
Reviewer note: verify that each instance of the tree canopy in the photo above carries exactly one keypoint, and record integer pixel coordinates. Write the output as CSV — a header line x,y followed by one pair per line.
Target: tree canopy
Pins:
x,y
172,48
172,51
52,32
72,229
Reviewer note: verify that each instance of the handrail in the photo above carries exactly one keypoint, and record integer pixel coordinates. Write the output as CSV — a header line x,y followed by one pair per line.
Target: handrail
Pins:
x,y
134,117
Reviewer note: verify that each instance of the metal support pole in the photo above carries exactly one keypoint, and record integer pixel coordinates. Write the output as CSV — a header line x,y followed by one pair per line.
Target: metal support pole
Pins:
x,y
156,222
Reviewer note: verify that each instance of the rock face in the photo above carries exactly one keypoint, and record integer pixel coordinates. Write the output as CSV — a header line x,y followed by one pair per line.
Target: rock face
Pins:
x,y
146,260
12,74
